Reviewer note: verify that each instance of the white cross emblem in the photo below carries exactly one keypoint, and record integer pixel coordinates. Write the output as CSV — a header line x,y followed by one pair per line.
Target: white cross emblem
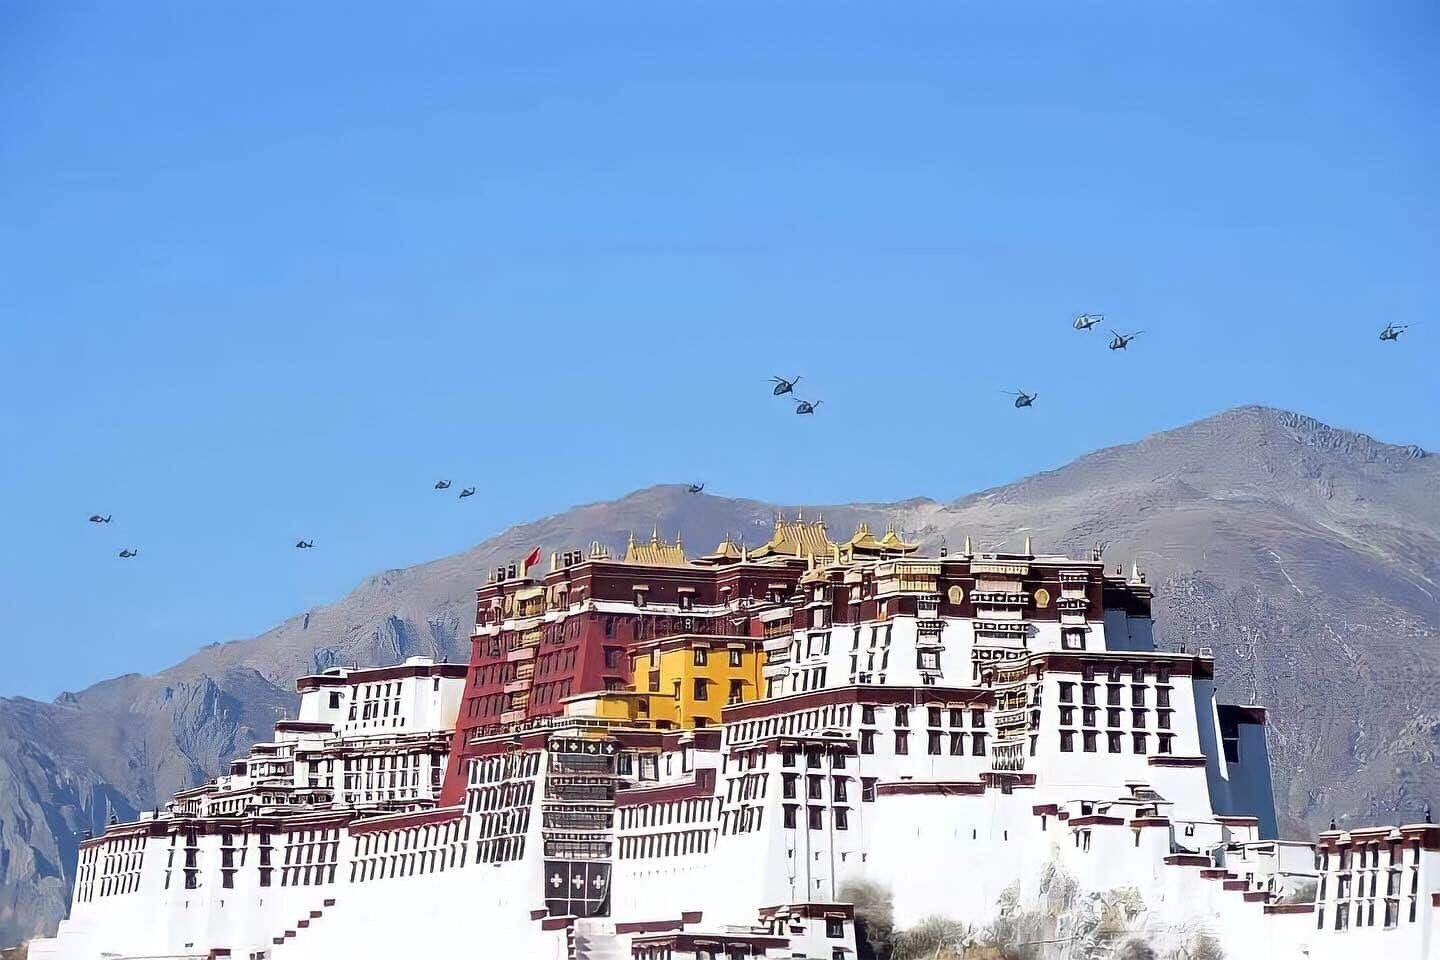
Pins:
x,y
555,880
577,882
598,882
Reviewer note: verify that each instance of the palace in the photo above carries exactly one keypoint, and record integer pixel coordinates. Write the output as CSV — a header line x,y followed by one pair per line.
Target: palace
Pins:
x,y
666,757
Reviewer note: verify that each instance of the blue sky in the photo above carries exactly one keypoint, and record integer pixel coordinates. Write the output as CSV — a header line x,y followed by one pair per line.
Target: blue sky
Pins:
x,y
268,271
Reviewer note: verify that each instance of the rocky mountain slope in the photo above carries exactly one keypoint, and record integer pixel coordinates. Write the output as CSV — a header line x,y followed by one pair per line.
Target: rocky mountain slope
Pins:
x,y
1307,557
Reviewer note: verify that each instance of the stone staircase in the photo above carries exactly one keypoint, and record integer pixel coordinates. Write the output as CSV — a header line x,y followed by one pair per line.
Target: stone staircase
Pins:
x,y
289,936
596,940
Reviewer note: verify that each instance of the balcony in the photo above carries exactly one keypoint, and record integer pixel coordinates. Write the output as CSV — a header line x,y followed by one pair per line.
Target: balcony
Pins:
x,y
997,598
1008,757
579,790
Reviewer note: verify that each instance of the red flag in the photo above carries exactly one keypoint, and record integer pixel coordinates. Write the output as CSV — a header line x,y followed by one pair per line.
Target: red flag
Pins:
x,y
533,558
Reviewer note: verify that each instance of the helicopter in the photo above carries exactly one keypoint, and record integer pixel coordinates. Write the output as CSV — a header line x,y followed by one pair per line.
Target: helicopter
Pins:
x,y
96,518
695,488
783,386
127,553
803,407
467,492
1393,331
1023,399
1119,341
1087,320
442,484
304,544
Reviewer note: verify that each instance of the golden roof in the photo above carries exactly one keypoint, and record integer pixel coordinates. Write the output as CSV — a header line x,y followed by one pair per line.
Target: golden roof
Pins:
x,y
796,538
891,541
728,550
864,539
656,553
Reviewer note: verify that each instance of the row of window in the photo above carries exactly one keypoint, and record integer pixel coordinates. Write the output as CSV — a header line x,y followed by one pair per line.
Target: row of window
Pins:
x,y
1139,717
1114,742
1350,857
677,844
1365,914
693,810
1088,694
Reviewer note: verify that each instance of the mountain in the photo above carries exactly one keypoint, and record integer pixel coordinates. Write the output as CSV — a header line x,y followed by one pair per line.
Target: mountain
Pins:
x,y
1306,556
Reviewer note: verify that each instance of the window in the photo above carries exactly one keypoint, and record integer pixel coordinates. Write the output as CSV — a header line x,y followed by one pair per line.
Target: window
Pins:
x,y
612,658
1067,741
787,781
701,685
1162,697
1164,742
702,656
1137,696
1139,739
902,742
867,789
867,741
1137,718
933,746
736,657
812,787
1230,737
957,744
1112,696
867,713
816,817
790,816
1067,716
933,716
837,789
1090,715
1089,741
841,817
977,744
977,718
1088,694
902,716
1112,717
1392,913
334,701
1342,916
1067,693
834,928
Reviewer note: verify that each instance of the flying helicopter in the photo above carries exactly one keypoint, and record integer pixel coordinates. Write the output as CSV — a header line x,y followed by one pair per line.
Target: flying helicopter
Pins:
x,y
96,518
1022,399
695,488
1392,331
1119,341
1087,320
127,553
304,544
804,407
442,484
467,492
783,386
